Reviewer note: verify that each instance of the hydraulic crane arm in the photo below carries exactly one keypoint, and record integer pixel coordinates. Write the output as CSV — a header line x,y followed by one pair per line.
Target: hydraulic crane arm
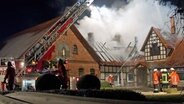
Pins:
x,y
45,44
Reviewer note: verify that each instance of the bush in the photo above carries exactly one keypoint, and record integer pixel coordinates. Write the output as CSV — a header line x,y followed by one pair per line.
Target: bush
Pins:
x,y
88,82
47,82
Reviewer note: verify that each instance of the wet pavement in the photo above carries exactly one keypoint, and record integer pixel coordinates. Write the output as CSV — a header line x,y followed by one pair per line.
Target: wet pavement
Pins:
x,y
47,98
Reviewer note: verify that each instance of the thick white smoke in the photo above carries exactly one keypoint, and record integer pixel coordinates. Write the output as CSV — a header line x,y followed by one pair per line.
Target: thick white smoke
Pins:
x,y
134,19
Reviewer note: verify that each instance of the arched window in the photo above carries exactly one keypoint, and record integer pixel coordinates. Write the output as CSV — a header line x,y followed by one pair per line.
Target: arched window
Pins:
x,y
63,52
75,49
92,71
81,72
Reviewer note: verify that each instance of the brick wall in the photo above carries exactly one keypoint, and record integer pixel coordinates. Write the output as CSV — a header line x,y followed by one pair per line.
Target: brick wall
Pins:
x,y
75,61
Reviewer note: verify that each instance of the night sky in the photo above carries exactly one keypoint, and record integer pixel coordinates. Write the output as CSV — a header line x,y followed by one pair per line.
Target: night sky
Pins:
x,y
178,3
17,15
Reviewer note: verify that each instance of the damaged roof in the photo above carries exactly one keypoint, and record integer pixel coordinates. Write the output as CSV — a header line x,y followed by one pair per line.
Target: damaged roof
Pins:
x,y
105,54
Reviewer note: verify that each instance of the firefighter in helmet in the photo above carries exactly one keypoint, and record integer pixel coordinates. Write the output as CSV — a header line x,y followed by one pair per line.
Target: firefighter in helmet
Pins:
x,y
156,79
173,78
110,79
164,79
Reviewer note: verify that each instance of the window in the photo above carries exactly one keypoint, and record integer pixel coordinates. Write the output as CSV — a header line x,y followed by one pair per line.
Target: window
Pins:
x,y
75,49
3,62
63,51
92,71
102,68
106,69
181,75
130,77
110,69
155,49
102,75
81,72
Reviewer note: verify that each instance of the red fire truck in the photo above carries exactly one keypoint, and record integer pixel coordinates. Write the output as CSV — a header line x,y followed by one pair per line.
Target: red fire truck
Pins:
x,y
41,50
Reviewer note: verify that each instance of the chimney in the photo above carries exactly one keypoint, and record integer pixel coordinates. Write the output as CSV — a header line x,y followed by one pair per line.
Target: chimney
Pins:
x,y
117,38
173,28
91,38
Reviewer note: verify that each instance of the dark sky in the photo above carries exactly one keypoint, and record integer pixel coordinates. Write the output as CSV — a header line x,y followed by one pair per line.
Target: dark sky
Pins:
x,y
178,3
17,15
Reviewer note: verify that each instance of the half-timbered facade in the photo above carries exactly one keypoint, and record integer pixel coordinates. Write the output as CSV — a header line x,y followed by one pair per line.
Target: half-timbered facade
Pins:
x,y
155,47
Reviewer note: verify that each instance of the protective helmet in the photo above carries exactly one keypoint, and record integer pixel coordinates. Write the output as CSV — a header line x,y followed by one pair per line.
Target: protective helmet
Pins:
x,y
161,70
9,64
172,69
165,70
155,70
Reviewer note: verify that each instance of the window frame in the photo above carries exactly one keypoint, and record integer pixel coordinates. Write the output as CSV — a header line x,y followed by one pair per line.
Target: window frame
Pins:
x,y
80,70
75,49
92,71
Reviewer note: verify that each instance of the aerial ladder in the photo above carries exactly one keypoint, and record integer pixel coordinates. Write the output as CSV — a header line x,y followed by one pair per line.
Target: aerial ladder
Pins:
x,y
40,49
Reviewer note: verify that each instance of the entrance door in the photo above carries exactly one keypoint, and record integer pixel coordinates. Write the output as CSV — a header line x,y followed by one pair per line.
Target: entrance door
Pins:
x,y
142,77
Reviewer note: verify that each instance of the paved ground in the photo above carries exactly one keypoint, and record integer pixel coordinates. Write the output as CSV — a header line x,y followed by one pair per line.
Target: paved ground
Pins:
x,y
45,98
6,100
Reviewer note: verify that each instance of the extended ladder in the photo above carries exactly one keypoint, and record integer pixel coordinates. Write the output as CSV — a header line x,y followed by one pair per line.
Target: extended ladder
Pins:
x,y
45,43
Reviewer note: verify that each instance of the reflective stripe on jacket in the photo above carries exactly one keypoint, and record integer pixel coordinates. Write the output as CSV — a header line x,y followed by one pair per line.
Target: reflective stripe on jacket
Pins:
x,y
174,78
164,78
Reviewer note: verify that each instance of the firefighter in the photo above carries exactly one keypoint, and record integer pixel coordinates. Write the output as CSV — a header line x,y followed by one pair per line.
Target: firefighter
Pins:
x,y
164,79
173,78
110,80
62,74
156,79
10,75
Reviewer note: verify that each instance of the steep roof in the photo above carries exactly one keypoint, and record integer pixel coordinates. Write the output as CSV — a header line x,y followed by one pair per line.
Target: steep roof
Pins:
x,y
20,42
177,57
85,43
166,38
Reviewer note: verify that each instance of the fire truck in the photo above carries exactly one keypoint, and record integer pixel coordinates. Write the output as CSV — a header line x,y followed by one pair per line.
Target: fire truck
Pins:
x,y
33,57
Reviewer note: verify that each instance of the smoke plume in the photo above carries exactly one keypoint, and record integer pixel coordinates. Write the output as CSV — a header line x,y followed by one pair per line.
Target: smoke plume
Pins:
x,y
132,19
